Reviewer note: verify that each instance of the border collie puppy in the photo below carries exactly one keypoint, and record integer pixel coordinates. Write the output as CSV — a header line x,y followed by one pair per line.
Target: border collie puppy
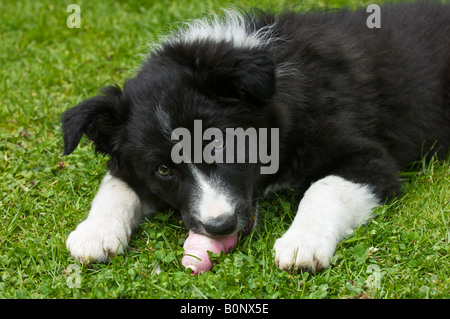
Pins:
x,y
353,105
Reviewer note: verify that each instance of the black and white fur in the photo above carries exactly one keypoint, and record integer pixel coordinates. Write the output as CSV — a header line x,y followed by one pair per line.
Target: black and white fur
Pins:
x,y
354,105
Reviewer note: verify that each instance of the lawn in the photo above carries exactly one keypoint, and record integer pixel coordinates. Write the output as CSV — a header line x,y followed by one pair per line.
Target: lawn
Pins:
x,y
47,67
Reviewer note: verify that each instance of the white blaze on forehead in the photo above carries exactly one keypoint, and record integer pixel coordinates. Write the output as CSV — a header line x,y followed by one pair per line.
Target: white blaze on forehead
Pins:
x,y
211,201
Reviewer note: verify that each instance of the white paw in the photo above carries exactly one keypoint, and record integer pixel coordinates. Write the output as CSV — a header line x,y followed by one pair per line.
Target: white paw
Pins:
x,y
98,239
303,251
328,212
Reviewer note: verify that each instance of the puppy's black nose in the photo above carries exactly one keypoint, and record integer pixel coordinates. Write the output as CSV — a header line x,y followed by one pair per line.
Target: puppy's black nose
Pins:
x,y
222,225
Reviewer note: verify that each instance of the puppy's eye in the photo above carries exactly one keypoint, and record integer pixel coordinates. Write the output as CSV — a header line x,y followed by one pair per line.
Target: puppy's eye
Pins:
x,y
164,171
219,145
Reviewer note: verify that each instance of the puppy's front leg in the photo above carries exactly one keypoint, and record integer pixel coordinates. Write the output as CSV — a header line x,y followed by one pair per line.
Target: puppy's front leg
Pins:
x,y
115,211
330,210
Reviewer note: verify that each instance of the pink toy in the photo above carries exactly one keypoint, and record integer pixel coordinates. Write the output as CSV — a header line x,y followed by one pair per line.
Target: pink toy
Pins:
x,y
196,249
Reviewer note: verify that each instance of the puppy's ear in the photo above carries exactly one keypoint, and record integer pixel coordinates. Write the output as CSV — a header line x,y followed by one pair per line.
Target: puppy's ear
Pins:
x,y
244,74
99,117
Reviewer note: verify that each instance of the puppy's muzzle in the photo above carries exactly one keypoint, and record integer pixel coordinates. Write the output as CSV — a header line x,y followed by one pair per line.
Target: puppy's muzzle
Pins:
x,y
222,225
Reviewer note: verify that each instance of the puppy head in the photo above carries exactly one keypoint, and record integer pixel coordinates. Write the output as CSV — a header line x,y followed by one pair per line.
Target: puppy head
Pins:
x,y
224,87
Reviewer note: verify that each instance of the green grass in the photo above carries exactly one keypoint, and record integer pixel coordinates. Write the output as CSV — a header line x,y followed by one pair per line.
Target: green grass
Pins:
x,y
47,68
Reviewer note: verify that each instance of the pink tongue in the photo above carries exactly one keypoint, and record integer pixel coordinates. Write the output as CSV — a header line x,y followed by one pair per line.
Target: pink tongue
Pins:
x,y
196,249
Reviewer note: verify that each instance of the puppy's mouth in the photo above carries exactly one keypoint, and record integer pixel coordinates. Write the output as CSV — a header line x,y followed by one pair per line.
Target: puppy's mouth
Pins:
x,y
249,227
